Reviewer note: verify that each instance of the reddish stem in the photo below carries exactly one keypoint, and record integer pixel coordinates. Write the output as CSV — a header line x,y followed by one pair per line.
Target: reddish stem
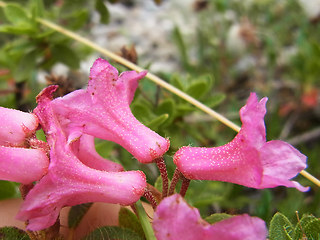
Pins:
x,y
148,195
184,186
176,177
164,175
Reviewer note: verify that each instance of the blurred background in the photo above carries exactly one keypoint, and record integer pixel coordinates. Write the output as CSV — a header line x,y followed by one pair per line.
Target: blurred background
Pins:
x,y
218,51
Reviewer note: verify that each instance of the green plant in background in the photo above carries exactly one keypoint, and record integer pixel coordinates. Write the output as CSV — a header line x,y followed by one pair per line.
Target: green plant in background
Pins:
x,y
214,76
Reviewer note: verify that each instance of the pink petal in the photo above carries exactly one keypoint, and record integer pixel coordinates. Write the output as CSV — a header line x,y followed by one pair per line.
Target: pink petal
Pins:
x,y
242,227
16,126
175,219
22,165
69,181
281,162
248,159
103,111
84,149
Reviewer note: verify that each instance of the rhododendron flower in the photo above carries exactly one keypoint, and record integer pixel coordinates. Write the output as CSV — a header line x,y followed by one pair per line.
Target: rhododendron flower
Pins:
x,y
85,150
248,159
102,110
18,163
69,181
16,127
175,219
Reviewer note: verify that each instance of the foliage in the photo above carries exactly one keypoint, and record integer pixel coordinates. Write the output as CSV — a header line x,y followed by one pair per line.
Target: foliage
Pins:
x,y
209,72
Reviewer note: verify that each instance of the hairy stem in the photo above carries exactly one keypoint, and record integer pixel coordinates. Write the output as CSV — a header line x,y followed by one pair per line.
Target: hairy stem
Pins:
x,y
184,186
164,175
148,195
175,179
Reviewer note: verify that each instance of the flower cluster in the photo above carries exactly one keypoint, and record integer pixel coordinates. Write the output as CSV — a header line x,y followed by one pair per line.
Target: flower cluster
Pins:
x,y
68,171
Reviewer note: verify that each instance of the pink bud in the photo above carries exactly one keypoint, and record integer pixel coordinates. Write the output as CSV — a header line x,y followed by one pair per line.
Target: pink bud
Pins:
x,y
248,159
16,126
22,165
102,110
175,219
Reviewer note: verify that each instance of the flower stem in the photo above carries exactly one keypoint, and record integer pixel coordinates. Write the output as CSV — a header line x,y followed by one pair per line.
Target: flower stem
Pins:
x,y
184,186
143,218
148,195
176,177
164,175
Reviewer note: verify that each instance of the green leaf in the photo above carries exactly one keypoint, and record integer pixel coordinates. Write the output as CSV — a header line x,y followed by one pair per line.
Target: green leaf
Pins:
x,y
7,233
16,14
26,66
9,190
141,112
197,89
155,123
158,183
217,217
176,81
167,106
127,219
181,46
280,228
103,11
66,55
37,8
104,148
76,214
22,28
215,100
308,226
82,16
112,233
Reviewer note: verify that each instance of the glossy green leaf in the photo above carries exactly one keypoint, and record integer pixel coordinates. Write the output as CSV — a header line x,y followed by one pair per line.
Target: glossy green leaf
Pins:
x,y
113,233
167,106
127,219
76,214
217,217
280,228
13,233
103,11
308,226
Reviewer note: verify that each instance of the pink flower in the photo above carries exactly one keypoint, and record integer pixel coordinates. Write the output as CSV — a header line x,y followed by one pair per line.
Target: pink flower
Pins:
x,y
16,127
69,181
18,163
102,110
248,159
174,219
84,149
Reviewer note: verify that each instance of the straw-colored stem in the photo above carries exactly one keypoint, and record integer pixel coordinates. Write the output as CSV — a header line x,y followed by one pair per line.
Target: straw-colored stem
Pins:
x,y
153,78
157,80
150,76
